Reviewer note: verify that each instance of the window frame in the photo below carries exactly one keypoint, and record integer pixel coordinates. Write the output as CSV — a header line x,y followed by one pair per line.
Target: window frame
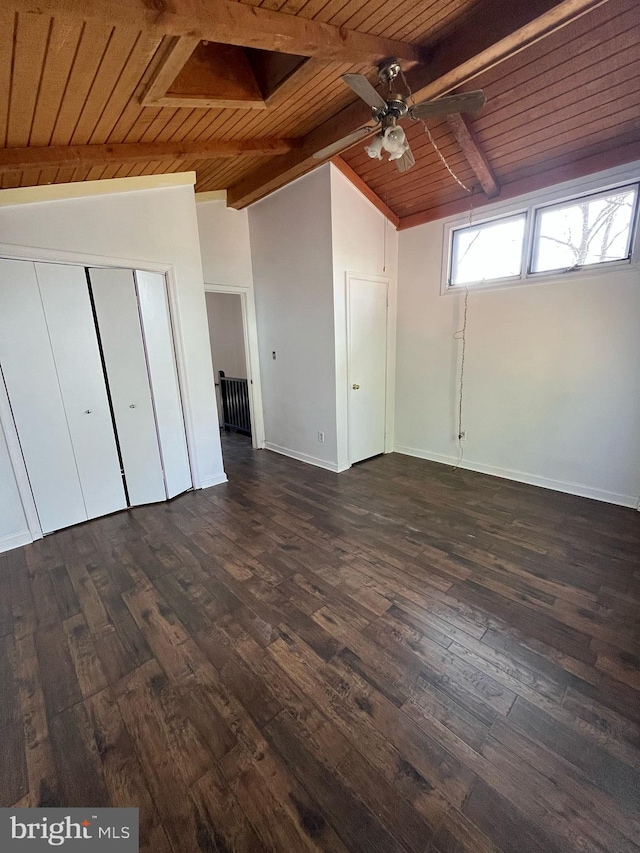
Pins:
x,y
515,214
530,205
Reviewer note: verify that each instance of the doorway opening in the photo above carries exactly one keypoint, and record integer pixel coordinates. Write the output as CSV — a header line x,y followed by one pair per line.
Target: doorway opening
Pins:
x,y
226,337
233,342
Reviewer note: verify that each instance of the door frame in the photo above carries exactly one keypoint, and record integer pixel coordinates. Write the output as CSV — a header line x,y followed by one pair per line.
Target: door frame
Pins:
x,y
250,333
389,377
59,256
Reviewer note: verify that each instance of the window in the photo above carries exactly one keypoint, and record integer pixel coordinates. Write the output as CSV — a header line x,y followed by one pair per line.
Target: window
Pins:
x,y
544,240
591,230
490,251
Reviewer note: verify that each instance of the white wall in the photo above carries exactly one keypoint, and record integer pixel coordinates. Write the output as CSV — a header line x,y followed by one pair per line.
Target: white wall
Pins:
x,y
551,390
366,243
293,280
304,239
224,243
157,226
226,258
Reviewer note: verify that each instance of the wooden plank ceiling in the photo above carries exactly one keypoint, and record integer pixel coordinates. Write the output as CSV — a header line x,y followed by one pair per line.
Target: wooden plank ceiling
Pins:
x,y
75,74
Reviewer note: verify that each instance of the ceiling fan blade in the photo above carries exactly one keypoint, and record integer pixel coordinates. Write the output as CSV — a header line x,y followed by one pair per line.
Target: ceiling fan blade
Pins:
x,y
406,161
345,142
365,90
467,102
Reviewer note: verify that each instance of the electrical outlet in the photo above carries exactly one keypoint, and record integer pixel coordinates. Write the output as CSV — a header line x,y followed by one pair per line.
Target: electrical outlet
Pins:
x,y
321,437
462,435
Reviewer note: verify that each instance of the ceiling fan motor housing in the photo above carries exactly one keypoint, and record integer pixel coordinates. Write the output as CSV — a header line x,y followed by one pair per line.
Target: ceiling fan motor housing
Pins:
x,y
396,107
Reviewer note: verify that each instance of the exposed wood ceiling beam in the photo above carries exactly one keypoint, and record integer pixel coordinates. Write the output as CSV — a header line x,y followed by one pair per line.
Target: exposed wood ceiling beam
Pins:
x,y
474,155
14,159
481,44
456,60
607,159
231,23
366,190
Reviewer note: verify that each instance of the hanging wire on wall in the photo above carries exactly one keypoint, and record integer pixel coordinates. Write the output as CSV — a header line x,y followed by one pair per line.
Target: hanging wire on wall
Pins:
x,y
461,334
384,239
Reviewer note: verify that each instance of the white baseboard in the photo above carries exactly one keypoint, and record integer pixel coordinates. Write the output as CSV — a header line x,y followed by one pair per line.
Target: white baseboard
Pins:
x,y
213,481
15,540
305,457
524,477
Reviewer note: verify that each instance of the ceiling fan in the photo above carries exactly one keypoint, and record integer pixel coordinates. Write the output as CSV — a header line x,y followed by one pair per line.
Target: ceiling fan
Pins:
x,y
387,111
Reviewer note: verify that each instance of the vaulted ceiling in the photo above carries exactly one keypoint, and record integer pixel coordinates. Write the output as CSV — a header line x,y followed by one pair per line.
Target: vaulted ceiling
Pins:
x,y
245,93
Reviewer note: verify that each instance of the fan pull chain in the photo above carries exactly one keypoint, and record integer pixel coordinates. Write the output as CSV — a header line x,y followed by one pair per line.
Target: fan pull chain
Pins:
x,y
408,88
444,161
412,100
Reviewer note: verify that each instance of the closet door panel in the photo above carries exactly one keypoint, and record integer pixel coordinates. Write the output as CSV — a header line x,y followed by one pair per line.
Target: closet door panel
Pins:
x,y
65,296
156,327
30,375
116,307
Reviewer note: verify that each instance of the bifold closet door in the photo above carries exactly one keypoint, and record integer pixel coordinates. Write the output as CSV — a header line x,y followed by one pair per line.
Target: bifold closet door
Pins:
x,y
158,338
30,375
116,307
74,341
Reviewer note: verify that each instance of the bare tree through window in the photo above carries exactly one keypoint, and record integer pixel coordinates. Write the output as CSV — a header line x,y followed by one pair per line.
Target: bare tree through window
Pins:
x,y
591,231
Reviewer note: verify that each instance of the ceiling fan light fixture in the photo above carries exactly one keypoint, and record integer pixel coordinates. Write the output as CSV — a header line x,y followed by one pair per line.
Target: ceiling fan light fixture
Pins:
x,y
374,148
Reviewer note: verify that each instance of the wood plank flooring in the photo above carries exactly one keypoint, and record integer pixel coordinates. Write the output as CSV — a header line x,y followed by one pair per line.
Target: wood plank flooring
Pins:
x,y
399,658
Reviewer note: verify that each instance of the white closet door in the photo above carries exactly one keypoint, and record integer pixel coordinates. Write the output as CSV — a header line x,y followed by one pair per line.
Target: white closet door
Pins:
x,y
74,342
367,331
32,384
116,307
158,338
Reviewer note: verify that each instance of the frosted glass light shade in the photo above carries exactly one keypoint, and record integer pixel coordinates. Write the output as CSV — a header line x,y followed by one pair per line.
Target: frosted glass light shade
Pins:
x,y
374,149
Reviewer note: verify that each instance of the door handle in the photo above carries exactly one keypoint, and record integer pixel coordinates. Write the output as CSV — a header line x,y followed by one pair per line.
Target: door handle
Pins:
x,y
355,387
132,406
87,411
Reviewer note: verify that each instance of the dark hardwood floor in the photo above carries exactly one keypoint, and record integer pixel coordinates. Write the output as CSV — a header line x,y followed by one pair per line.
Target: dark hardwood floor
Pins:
x,y
396,658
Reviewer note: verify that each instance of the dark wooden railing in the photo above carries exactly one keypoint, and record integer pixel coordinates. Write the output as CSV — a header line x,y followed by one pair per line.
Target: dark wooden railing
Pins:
x,y
235,404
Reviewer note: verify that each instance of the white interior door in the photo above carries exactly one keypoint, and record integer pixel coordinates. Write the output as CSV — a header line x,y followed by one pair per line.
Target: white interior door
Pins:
x,y
158,339
367,341
116,308
30,375
67,307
